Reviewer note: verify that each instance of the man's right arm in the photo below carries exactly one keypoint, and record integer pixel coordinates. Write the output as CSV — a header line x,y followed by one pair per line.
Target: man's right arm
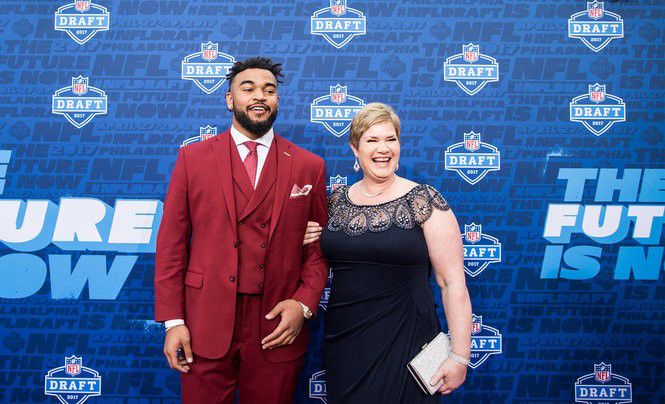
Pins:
x,y
172,249
168,324
171,259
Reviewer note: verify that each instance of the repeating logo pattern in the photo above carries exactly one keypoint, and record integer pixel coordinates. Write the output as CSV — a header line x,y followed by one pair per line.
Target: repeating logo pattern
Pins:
x,y
79,103
595,27
472,159
336,182
603,386
597,110
207,68
205,133
317,386
73,383
338,24
82,20
480,250
471,70
397,60
336,110
485,341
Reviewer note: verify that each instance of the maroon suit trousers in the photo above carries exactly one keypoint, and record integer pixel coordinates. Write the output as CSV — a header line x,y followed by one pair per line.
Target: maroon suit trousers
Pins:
x,y
244,369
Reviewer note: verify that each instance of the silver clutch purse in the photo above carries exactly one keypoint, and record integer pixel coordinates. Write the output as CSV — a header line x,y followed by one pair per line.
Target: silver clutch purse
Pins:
x,y
427,362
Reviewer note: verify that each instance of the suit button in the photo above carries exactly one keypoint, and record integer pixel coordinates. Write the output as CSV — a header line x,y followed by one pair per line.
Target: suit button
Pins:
x,y
236,243
241,222
263,225
232,278
264,245
260,286
261,266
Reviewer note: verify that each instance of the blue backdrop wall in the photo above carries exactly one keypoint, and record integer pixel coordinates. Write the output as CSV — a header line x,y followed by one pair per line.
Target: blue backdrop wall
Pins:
x,y
540,121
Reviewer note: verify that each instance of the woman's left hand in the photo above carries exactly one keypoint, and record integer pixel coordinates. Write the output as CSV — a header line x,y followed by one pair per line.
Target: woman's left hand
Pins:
x,y
312,233
453,374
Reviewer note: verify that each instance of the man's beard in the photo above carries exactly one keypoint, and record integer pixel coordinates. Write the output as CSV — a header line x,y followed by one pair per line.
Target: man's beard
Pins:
x,y
259,128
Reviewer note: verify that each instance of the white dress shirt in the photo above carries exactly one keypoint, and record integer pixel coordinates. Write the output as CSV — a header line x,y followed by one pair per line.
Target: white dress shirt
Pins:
x,y
262,152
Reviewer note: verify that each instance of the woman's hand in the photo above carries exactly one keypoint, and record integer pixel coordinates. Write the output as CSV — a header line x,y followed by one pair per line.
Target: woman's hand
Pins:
x,y
453,375
312,233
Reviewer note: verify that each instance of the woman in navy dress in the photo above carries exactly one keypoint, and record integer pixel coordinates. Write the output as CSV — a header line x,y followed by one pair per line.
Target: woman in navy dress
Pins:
x,y
384,238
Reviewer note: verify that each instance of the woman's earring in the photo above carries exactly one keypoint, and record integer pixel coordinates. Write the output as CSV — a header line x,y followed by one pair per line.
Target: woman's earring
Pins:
x,y
356,165
397,167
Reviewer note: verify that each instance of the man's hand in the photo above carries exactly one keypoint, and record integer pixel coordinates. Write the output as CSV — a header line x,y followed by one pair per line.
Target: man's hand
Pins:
x,y
289,327
312,233
453,375
177,338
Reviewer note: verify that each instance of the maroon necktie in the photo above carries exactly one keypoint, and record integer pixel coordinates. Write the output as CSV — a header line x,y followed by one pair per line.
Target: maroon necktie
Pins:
x,y
251,161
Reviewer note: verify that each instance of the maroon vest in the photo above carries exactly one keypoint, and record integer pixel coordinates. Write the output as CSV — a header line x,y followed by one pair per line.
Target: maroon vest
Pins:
x,y
253,209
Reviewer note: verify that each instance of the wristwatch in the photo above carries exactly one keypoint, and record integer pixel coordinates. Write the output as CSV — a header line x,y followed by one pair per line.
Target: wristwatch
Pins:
x,y
305,311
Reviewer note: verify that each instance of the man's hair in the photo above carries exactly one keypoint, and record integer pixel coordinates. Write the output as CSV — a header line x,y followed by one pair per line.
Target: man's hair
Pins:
x,y
255,63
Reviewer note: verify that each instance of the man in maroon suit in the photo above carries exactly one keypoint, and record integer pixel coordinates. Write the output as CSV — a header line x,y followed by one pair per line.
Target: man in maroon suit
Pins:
x,y
233,282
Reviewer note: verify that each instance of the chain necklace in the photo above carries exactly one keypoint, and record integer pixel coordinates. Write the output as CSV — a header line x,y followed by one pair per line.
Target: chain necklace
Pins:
x,y
362,183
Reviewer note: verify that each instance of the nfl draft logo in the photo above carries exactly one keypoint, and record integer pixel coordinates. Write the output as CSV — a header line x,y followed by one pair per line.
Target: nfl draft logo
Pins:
x,y
205,133
603,386
485,341
338,24
597,110
336,182
72,383
81,20
595,26
335,110
207,68
317,386
472,158
471,70
480,250
79,103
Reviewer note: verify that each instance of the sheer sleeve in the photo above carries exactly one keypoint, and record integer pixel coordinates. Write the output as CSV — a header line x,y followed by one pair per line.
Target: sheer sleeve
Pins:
x,y
425,200
334,199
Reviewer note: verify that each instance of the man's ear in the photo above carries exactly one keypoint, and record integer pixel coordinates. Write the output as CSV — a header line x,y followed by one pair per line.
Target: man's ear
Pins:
x,y
229,101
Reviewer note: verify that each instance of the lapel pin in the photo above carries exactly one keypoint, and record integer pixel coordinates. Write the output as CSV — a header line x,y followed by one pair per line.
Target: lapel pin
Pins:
x,y
287,154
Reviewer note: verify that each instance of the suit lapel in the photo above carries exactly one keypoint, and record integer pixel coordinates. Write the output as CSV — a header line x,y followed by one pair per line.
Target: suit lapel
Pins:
x,y
222,150
282,191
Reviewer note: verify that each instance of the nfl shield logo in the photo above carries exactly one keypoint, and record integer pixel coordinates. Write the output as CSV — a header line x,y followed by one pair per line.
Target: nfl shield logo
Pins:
x,y
73,365
209,51
82,5
470,52
602,372
595,9
476,324
79,85
206,132
597,93
336,182
338,7
338,94
472,141
472,232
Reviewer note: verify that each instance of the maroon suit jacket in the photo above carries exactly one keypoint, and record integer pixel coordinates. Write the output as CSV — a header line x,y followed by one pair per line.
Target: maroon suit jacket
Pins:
x,y
196,262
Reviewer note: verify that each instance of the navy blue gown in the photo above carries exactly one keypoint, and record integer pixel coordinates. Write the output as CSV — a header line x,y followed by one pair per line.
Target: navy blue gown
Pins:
x,y
381,309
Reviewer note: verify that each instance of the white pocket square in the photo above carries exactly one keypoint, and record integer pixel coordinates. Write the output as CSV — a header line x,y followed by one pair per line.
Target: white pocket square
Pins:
x,y
297,191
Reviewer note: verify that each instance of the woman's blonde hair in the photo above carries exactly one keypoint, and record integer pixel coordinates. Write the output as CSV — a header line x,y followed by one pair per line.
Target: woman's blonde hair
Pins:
x,y
371,114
